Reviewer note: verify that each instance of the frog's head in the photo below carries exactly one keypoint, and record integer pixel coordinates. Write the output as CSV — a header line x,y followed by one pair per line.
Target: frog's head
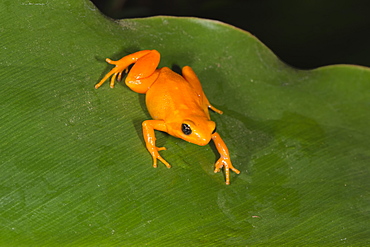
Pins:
x,y
198,131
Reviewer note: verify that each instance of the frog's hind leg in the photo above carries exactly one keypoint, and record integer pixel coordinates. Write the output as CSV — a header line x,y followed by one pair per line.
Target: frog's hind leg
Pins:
x,y
141,75
144,72
190,76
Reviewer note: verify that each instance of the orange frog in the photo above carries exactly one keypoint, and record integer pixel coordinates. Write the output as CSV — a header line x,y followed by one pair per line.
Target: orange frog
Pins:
x,y
176,103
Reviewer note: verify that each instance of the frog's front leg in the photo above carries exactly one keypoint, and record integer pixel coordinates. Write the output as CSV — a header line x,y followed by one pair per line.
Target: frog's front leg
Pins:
x,y
148,131
224,160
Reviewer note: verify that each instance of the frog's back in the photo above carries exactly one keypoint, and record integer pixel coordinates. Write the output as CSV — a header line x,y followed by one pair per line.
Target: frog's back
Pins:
x,y
172,96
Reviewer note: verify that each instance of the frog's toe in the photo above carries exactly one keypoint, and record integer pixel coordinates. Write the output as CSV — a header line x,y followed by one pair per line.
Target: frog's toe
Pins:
x,y
161,148
164,162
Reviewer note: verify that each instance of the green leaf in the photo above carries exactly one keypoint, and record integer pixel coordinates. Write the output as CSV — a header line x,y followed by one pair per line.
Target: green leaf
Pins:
x,y
75,172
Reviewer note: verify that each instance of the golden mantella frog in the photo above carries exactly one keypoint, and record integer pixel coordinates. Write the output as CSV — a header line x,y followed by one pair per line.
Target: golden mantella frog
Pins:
x,y
176,103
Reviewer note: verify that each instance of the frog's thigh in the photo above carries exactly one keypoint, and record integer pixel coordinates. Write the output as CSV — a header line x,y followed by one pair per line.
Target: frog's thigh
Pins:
x,y
190,76
143,73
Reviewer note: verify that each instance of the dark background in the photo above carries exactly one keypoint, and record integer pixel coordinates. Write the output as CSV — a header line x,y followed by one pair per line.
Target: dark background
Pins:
x,y
303,33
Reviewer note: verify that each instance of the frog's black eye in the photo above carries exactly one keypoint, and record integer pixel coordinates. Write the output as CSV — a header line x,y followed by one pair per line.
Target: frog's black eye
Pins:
x,y
214,131
186,129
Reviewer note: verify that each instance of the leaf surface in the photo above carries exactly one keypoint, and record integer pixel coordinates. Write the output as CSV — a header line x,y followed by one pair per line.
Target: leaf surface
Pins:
x,y
75,171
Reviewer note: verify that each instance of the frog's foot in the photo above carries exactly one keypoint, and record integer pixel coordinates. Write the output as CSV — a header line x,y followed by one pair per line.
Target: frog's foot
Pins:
x,y
115,72
226,163
156,156
126,61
